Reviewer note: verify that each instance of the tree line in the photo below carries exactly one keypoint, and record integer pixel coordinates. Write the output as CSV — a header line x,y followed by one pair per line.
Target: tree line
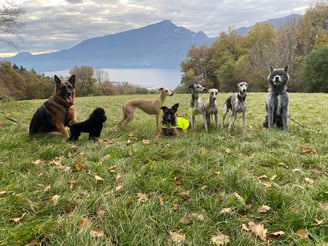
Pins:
x,y
301,43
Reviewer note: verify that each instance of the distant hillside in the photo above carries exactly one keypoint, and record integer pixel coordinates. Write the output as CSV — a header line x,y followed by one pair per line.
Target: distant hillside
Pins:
x,y
160,45
276,22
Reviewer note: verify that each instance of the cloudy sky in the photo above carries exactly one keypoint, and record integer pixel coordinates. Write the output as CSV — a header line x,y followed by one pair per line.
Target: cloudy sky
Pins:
x,y
60,24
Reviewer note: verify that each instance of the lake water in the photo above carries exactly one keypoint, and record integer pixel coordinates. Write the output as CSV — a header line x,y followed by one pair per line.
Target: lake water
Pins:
x,y
148,78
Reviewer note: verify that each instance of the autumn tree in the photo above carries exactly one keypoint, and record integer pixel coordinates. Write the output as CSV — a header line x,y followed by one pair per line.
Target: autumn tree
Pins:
x,y
85,83
316,70
11,20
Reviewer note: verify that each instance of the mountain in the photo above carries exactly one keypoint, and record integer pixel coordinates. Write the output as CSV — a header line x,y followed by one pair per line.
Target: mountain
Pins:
x,y
160,45
276,22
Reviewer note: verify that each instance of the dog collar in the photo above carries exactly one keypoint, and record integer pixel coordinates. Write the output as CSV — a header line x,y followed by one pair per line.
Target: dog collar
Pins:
x,y
182,123
241,98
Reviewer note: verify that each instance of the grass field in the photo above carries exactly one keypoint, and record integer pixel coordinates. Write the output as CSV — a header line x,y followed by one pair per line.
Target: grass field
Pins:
x,y
131,188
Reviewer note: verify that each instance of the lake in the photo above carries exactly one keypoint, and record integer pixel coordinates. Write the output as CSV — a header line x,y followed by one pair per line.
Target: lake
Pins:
x,y
144,77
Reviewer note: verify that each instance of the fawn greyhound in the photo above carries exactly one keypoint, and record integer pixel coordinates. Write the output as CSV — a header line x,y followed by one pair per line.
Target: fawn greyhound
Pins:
x,y
149,106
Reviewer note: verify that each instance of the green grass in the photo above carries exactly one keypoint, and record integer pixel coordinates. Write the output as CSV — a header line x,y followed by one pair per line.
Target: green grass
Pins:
x,y
177,185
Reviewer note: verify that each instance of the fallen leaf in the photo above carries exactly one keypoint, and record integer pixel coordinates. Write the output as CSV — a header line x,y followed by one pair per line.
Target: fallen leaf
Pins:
x,y
37,162
112,169
118,188
142,197
198,216
220,239
273,177
17,219
186,220
302,234
227,150
75,148
129,134
309,180
245,228
319,222
55,199
47,189
84,221
277,234
263,209
178,180
97,234
57,160
226,211
145,141
98,178
308,150
3,192
185,195
262,177
118,179
239,198
258,230
64,169
161,200
128,142
177,237
101,212
79,166
105,158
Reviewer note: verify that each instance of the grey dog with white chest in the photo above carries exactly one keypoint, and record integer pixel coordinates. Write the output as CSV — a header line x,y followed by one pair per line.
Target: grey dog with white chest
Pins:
x,y
237,104
278,100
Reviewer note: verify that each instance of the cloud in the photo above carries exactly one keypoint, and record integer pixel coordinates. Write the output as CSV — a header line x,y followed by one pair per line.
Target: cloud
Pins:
x,y
60,24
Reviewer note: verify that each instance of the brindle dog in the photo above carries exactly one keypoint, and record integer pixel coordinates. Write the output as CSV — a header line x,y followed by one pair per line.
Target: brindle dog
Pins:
x,y
58,111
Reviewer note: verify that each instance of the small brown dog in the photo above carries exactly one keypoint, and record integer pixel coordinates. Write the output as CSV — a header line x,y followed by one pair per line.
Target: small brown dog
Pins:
x,y
149,106
173,125
58,111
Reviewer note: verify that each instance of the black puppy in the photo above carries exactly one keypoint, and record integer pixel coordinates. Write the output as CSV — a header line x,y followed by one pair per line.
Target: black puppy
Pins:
x,y
93,125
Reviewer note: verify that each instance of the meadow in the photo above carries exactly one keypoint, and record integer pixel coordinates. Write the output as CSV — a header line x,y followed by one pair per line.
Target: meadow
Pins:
x,y
131,188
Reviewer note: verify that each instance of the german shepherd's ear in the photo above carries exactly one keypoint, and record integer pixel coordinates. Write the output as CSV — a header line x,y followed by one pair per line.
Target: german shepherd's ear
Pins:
x,y
57,81
164,108
71,80
175,107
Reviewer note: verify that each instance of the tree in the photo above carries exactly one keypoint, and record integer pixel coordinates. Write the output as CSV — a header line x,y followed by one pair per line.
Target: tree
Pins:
x,y
10,22
316,70
85,83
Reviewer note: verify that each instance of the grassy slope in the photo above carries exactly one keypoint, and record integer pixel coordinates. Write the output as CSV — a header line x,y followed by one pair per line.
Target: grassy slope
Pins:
x,y
151,192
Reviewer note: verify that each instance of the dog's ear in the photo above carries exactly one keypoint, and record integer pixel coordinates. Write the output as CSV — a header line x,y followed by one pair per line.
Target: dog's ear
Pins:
x,y
271,69
164,108
286,69
57,81
191,86
71,80
175,107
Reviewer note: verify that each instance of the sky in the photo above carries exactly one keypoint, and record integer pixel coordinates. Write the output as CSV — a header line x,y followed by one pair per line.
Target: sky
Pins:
x,y
52,25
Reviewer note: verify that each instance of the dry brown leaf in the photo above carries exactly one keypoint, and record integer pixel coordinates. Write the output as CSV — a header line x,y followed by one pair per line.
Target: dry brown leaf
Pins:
x,y
97,234
64,169
309,180
128,142
263,209
198,216
302,234
105,158
325,206
17,219
84,222
262,177
161,200
145,141
112,169
245,228
227,150
101,212
319,222
258,230
98,178
47,189
178,180
55,199
75,148
309,150
220,239
239,198
273,177
37,162
57,160
79,166
277,234
226,211
118,188
129,134
177,237
118,179
186,220
142,197
3,192
185,195
70,185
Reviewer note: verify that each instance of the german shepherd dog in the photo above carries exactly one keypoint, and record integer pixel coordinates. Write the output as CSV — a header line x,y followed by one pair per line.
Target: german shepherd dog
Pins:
x,y
93,125
173,125
58,111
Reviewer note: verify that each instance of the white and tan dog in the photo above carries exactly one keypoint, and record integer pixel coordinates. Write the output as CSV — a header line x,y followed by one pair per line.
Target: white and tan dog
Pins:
x,y
149,106
237,104
197,105
211,107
